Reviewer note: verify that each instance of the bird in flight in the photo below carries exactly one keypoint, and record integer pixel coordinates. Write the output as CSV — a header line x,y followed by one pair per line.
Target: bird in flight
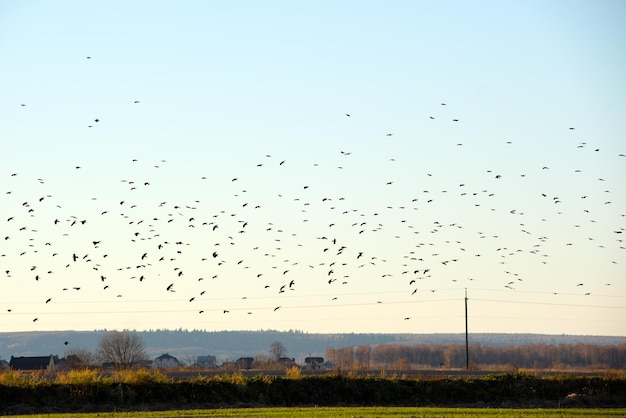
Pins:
x,y
160,226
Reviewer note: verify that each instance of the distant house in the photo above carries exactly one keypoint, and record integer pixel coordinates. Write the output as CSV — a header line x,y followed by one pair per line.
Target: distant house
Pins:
x,y
328,365
46,363
165,361
208,362
313,362
287,362
244,363
144,364
4,365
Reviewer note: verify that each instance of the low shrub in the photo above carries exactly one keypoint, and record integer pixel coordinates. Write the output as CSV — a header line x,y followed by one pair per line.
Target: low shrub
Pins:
x,y
80,377
293,372
20,379
140,376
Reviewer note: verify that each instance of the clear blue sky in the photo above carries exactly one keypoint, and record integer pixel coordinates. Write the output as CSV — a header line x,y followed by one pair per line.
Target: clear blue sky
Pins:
x,y
216,155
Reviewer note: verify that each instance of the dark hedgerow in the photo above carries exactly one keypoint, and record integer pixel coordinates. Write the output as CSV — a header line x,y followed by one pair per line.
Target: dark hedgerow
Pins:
x,y
519,390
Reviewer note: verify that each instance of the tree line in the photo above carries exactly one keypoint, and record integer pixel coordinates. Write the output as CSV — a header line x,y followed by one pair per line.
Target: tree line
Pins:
x,y
126,349
418,356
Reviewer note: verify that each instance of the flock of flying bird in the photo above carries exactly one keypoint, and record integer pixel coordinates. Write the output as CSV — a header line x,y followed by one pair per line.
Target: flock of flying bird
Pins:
x,y
274,234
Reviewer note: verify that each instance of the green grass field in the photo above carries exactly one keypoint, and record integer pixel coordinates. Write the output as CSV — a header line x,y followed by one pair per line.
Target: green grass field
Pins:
x,y
352,412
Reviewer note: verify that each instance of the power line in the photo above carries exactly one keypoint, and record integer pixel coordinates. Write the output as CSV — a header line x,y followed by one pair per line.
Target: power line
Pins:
x,y
537,292
315,306
551,304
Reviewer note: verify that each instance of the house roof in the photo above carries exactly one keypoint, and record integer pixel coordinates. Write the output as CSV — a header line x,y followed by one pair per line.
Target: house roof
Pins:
x,y
32,363
166,356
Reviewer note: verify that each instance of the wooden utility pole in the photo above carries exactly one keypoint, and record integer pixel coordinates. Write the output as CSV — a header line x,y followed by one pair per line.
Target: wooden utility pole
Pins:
x,y
466,336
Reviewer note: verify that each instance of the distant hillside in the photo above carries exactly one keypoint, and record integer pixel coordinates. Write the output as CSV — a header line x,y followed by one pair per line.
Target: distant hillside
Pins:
x,y
230,345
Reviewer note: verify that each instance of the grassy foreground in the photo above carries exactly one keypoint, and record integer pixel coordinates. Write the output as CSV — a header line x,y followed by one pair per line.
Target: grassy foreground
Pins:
x,y
352,412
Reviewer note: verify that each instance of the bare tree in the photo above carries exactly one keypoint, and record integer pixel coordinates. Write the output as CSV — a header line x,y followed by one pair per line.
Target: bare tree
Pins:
x,y
124,349
277,350
362,355
80,358
263,361
187,360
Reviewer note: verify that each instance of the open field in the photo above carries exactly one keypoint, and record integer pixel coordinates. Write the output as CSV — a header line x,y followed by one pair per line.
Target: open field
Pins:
x,y
352,412
404,373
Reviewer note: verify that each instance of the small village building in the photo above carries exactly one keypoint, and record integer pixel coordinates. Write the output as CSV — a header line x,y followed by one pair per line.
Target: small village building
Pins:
x,y
43,363
208,362
287,361
244,363
144,364
165,361
313,362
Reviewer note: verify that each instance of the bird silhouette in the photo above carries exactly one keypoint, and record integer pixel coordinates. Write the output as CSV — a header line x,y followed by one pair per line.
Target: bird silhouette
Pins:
x,y
306,219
